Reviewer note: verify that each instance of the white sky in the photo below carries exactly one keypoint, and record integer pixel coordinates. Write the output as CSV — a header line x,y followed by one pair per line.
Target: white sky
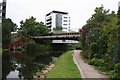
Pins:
x,y
79,10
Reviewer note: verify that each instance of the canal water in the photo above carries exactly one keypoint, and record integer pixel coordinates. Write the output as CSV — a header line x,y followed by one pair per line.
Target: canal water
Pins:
x,y
24,65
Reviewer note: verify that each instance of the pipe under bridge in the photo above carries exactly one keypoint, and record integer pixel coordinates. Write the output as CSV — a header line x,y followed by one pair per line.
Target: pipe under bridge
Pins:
x,y
60,36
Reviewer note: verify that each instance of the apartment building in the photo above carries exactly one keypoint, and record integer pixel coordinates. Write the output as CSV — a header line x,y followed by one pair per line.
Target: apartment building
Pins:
x,y
58,18
118,4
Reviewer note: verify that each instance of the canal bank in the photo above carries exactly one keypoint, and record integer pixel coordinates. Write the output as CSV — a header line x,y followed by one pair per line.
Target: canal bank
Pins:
x,y
24,65
64,67
31,59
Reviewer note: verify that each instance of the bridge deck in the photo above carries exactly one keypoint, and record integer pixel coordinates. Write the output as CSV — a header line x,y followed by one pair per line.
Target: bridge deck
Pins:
x,y
60,36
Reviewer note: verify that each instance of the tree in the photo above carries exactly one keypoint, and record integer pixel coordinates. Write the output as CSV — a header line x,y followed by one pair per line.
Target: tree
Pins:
x,y
58,28
30,27
98,33
100,39
97,18
7,27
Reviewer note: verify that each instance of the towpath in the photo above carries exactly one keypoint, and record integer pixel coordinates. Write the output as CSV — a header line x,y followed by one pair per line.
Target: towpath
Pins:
x,y
86,70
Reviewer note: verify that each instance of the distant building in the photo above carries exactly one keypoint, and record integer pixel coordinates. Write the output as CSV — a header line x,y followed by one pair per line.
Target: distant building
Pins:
x,y
58,18
3,9
118,4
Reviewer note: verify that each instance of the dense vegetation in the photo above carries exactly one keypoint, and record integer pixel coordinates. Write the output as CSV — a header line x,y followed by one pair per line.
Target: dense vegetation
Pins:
x,y
7,27
30,27
100,41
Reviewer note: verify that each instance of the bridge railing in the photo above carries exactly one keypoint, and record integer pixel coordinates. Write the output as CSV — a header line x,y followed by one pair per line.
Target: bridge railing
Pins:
x,y
67,33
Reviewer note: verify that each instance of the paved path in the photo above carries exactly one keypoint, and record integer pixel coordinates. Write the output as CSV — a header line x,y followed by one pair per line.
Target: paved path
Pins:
x,y
86,70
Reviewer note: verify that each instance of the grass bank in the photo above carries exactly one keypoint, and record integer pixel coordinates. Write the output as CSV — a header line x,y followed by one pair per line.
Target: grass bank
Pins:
x,y
64,67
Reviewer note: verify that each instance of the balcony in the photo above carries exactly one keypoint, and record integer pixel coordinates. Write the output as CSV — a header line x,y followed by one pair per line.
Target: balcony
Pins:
x,y
48,23
48,19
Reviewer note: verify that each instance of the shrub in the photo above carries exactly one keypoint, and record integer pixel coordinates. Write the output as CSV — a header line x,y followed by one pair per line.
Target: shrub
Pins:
x,y
97,62
108,61
116,72
93,61
117,67
84,54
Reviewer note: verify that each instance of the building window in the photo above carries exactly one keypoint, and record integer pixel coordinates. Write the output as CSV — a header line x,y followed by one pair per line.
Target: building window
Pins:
x,y
65,17
65,24
65,20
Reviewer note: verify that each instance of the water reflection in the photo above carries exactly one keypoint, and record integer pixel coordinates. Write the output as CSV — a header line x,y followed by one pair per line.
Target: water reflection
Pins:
x,y
7,65
26,64
23,65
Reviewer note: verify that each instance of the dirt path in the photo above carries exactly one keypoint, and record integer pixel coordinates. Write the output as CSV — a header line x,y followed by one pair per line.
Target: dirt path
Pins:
x,y
86,70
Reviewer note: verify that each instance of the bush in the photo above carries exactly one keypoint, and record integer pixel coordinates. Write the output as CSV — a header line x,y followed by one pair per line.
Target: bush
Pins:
x,y
116,72
97,62
84,54
93,61
117,67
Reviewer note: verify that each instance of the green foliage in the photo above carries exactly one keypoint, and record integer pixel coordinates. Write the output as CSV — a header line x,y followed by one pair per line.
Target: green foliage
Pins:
x,y
97,62
95,41
7,27
112,43
73,46
97,18
30,27
39,49
58,28
117,67
116,72
100,40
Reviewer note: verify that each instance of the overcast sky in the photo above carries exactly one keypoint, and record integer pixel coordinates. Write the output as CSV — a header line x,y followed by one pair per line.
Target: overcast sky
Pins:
x,y
79,10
